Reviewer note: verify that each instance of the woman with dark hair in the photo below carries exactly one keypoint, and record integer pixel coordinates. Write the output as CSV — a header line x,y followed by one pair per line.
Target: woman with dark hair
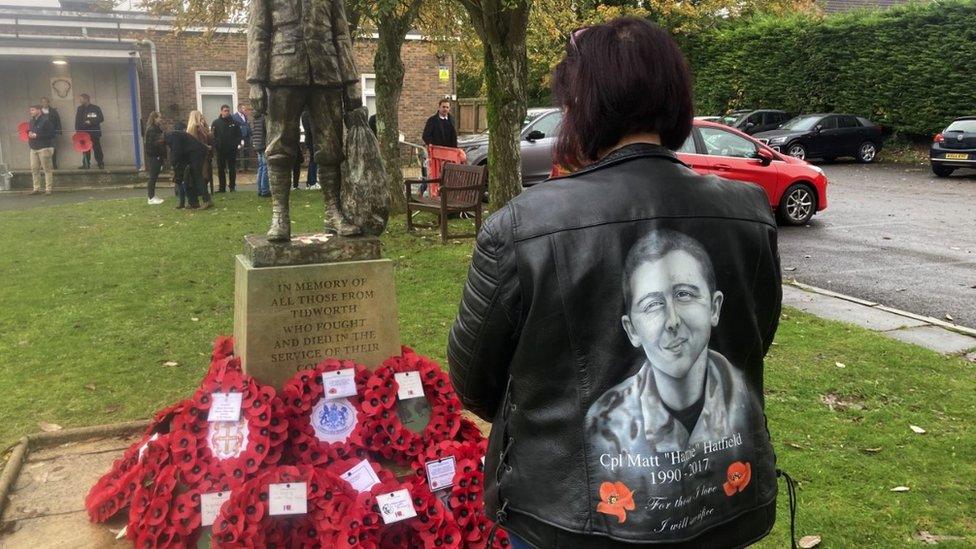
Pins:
x,y
155,146
615,320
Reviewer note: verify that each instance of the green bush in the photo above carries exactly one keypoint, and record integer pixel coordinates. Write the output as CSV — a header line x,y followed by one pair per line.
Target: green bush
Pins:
x,y
910,68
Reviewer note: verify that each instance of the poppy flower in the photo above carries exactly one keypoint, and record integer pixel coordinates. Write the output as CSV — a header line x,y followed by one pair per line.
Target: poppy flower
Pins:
x,y
615,499
738,476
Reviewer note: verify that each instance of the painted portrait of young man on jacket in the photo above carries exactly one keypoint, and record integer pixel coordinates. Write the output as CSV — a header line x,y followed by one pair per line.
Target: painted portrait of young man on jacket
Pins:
x,y
670,432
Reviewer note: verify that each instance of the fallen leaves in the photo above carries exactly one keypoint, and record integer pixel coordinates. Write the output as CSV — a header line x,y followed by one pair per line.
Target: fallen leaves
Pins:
x,y
49,427
808,542
949,317
840,365
90,386
871,450
171,363
900,489
195,319
917,430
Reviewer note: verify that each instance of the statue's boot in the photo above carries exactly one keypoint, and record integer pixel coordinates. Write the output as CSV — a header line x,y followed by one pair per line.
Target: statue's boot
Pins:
x,y
335,222
280,183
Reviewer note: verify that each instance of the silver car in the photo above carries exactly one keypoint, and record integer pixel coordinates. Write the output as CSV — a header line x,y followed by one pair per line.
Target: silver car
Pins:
x,y
538,137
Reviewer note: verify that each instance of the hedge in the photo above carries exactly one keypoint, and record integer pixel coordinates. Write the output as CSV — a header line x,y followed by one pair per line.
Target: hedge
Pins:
x,y
911,68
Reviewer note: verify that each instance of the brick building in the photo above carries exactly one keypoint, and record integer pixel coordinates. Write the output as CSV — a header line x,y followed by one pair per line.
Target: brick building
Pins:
x,y
132,63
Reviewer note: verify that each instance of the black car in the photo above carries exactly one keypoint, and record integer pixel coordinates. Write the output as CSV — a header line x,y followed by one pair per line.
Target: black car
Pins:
x,y
955,147
826,136
755,121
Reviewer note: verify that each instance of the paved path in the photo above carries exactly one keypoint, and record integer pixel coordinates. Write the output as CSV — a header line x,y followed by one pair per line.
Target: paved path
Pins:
x,y
23,200
931,333
894,235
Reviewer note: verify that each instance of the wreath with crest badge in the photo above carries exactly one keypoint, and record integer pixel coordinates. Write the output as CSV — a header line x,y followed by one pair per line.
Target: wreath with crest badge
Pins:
x,y
323,429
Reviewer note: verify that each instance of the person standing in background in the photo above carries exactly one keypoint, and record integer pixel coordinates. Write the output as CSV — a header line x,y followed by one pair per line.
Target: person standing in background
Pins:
x,y
155,153
200,155
259,143
55,118
439,130
177,141
89,119
311,181
244,122
40,137
226,140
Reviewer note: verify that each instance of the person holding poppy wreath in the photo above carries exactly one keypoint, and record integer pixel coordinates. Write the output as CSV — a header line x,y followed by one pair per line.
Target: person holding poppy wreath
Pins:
x,y
615,321
88,119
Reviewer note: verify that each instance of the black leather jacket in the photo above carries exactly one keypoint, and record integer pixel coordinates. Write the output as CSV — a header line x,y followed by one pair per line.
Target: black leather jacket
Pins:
x,y
613,329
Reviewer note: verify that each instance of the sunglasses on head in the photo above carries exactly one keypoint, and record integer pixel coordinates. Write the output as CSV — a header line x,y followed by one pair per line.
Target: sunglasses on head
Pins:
x,y
576,34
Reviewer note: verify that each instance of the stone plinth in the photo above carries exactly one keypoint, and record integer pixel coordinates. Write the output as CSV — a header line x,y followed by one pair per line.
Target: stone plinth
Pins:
x,y
315,297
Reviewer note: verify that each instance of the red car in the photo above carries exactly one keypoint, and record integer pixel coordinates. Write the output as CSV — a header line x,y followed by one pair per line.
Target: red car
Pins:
x,y
796,190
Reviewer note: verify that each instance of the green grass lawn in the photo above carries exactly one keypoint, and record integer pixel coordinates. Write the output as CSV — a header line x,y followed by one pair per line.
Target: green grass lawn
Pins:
x,y
95,298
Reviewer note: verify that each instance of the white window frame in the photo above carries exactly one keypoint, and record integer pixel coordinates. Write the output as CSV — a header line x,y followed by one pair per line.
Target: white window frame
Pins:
x,y
362,85
201,90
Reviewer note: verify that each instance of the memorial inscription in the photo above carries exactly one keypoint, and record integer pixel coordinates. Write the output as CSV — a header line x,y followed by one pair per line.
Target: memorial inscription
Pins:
x,y
289,318
325,314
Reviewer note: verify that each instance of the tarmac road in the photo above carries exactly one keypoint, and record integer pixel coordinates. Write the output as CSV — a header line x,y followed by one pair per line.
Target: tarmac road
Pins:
x,y
896,235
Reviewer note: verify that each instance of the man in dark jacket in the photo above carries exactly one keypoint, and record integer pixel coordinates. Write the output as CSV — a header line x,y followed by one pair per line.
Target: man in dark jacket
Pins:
x,y
439,129
227,138
155,149
55,117
259,142
89,119
40,136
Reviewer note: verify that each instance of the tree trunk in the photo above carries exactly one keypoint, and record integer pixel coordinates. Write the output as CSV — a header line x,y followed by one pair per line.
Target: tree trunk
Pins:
x,y
389,84
505,75
501,25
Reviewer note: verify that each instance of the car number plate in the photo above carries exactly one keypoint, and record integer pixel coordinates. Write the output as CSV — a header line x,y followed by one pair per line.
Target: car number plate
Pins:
x,y
956,156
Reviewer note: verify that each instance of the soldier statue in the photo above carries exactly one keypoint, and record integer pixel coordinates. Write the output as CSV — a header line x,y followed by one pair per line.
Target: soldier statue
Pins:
x,y
299,57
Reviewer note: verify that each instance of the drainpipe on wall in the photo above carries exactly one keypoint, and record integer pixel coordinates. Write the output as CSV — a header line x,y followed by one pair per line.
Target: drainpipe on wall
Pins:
x,y
155,71
134,101
5,174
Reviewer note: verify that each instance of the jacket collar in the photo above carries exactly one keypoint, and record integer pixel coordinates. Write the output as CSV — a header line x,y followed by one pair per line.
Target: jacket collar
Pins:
x,y
630,152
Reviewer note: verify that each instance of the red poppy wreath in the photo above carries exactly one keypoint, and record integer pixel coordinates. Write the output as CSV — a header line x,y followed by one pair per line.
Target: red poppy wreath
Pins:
x,y
164,512
383,431
115,489
324,419
232,450
332,509
465,495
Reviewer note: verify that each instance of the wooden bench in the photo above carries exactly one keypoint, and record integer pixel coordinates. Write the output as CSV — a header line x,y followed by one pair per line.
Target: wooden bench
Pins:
x,y
462,187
